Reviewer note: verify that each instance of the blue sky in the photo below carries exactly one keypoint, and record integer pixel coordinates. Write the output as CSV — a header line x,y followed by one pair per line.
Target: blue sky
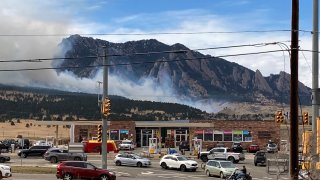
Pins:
x,y
146,16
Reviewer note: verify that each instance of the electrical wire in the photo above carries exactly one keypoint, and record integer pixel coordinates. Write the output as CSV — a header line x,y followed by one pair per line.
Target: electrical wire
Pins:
x,y
151,33
140,53
136,63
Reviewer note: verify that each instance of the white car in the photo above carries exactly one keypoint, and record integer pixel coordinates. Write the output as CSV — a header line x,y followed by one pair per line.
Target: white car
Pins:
x,y
127,145
178,161
5,171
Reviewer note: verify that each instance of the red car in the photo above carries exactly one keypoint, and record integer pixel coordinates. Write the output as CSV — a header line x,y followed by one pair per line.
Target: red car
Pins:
x,y
253,148
68,170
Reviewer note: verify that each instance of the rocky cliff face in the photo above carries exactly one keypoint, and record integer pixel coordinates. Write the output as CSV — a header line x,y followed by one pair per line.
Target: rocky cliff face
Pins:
x,y
189,73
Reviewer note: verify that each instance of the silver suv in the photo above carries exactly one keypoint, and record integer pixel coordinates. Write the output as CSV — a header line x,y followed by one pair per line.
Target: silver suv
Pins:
x,y
55,155
272,148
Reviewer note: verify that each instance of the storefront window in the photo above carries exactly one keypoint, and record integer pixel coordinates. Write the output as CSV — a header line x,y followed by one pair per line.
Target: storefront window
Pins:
x,y
208,135
237,135
114,134
124,134
227,135
247,136
218,135
199,134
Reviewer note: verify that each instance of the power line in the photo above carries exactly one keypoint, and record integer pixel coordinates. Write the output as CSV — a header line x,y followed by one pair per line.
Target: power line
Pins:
x,y
155,33
145,34
136,63
142,53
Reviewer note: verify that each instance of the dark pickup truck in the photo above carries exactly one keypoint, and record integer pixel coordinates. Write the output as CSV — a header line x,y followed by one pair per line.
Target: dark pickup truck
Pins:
x,y
33,151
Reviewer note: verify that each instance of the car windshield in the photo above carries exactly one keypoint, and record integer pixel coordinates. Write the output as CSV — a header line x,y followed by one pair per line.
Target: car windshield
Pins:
x,y
272,145
227,165
126,142
182,158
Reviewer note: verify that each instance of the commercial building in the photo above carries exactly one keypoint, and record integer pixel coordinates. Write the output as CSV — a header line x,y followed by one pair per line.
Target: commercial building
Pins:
x,y
171,133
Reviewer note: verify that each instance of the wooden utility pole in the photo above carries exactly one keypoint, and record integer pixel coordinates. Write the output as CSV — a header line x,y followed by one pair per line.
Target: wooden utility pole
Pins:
x,y
294,130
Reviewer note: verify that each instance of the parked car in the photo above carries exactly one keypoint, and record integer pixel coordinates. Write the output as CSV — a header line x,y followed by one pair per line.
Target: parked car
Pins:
x,y
236,147
4,158
222,169
126,144
5,171
178,161
131,160
33,151
68,170
272,148
260,157
253,148
221,153
184,145
55,155
4,147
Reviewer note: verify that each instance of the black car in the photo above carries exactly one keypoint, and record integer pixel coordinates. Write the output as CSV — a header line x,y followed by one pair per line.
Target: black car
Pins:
x,y
260,158
5,147
236,147
4,158
33,151
184,145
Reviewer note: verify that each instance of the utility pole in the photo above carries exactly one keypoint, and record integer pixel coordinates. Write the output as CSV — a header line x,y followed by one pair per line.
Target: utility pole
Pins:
x,y
294,164
315,76
104,118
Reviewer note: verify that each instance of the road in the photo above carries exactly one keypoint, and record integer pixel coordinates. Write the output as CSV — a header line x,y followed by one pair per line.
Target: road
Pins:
x,y
155,172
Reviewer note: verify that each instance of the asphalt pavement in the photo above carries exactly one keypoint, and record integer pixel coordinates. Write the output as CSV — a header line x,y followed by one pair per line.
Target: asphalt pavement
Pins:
x,y
154,172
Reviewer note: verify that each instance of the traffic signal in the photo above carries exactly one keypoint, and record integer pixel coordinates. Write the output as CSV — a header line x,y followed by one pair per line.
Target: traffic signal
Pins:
x,y
99,133
305,118
279,117
106,107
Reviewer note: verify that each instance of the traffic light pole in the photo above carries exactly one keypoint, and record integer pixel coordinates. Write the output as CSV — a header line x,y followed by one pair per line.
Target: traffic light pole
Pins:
x,y
104,118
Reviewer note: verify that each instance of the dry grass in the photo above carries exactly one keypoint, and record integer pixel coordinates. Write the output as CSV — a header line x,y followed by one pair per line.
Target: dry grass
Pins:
x,y
34,132
33,170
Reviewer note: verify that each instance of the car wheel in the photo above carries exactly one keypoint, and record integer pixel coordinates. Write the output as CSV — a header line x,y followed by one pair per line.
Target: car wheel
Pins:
x,y
204,158
2,160
208,173
221,175
77,159
118,163
67,176
23,155
139,164
53,160
164,165
104,177
231,159
183,168
255,164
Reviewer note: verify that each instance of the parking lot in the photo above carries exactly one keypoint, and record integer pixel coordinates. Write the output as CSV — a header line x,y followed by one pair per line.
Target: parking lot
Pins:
x,y
152,172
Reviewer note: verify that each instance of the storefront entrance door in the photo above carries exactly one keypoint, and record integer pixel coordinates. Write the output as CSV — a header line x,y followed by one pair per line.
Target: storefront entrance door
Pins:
x,y
181,135
145,135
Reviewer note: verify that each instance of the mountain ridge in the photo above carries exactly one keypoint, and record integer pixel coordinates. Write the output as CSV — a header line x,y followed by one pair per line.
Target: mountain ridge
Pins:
x,y
189,74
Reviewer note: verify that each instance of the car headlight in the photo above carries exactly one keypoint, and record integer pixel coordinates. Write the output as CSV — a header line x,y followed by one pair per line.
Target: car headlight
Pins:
x,y
112,173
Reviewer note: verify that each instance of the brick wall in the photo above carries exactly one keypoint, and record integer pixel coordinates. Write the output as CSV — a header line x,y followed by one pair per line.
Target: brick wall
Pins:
x,y
129,125
114,125
261,131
